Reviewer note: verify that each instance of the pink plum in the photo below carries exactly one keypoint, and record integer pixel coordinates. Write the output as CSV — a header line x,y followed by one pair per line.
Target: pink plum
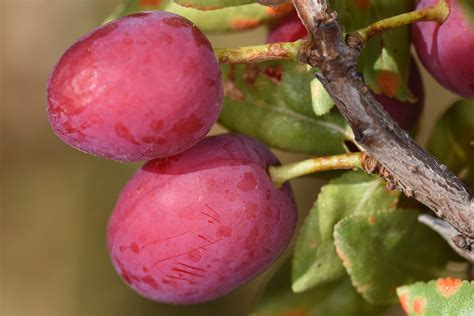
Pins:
x,y
141,87
446,50
193,227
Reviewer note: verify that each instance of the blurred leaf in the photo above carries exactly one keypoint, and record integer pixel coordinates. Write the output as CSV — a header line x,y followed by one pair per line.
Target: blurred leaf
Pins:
x,y
212,4
385,249
271,101
337,298
452,139
438,297
315,260
469,8
221,20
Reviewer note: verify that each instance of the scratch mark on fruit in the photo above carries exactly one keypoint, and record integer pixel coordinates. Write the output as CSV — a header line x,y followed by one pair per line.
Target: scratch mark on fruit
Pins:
x,y
182,279
188,272
171,237
202,237
171,257
191,267
215,216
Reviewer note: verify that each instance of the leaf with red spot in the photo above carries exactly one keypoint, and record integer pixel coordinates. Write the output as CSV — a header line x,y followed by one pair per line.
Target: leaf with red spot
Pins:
x,y
446,296
385,249
212,4
452,140
315,260
226,19
271,101
385,60
336,299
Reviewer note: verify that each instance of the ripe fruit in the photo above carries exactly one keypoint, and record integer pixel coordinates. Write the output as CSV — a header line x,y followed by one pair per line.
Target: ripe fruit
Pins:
x,y
193,227
288,29
145,86
446,49
406,114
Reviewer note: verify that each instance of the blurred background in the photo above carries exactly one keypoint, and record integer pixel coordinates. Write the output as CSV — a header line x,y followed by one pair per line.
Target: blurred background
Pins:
x,y
55,201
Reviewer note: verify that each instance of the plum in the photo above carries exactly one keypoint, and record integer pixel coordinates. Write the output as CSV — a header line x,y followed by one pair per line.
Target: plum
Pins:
x,y
288,29
193,227
141,87
446,50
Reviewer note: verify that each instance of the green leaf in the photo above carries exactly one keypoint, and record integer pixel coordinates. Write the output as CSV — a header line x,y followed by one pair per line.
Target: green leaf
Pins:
x,y
211,4
452,139
222,20
386,59
438,297
385,249
337,298
320,98
315,260
271,101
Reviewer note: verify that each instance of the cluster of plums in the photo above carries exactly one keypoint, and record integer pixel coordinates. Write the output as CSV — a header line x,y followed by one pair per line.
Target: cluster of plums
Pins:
x,y
201,217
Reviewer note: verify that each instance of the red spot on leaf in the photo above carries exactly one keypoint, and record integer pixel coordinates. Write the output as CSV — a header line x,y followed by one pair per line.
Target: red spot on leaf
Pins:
x,y
342,256
404,303
419,305
242,24
149,3
449,286
275,74
388,82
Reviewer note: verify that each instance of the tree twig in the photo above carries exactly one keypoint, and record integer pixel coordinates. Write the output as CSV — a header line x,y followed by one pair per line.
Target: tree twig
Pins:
x,y
405,165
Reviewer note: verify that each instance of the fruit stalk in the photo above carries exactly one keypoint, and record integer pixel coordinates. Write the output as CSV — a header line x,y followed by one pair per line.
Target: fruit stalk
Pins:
x,y
438,13
260,53
393,154
281,174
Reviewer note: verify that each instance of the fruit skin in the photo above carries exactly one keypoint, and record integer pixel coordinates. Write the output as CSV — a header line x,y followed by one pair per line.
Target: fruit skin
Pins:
x,y
446,50
288,29
193,227
406,114
144,86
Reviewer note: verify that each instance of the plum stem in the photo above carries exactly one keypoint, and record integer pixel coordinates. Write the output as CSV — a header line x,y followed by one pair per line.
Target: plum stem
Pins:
x,y
438,12
283,173
261,53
